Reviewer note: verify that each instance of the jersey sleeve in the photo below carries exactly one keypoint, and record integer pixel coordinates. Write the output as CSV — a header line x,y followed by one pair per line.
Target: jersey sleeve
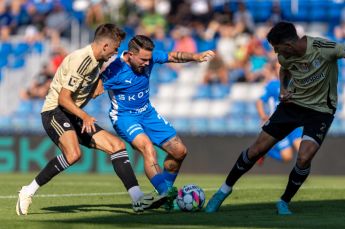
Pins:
x,y
74,78
159,57
336,51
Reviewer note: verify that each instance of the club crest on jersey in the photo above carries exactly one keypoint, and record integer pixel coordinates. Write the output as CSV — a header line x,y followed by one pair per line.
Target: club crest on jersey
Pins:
x,y
303,67
316,63
66,124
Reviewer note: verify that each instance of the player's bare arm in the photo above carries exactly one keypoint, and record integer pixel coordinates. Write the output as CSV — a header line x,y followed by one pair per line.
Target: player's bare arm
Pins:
x,y
183,57
261,111
99,90
65,100
284,76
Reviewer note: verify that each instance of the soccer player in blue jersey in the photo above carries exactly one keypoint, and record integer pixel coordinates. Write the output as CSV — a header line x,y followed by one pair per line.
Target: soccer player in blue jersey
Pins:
x,y
136,120
284,149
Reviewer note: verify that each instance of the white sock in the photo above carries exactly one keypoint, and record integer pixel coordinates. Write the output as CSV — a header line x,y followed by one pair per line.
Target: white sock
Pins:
x,y
225,188
135,193
31,188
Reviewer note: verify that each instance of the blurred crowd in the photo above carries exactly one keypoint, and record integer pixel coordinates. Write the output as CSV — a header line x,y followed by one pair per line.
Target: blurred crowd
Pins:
x,y
226,26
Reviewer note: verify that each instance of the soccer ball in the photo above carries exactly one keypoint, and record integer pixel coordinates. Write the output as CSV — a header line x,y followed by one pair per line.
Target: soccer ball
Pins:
x,y
190,198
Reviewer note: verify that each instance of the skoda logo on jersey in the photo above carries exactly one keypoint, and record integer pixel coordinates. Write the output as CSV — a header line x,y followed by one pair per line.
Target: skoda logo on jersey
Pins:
x,y
66,124
133,97
316,63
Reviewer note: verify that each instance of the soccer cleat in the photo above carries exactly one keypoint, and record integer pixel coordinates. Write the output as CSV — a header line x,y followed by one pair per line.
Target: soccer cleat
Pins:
x,y
283,208
137,206
23,203
152,201
215,201
171,197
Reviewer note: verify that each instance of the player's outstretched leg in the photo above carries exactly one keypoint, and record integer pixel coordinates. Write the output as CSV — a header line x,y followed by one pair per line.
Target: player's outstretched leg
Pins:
x,y
283,208
242,165
54,167
23,203
218,198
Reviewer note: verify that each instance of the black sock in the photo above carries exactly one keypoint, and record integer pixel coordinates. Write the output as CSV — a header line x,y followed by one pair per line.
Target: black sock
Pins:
x,y
54,167
242,165
296,179
123,168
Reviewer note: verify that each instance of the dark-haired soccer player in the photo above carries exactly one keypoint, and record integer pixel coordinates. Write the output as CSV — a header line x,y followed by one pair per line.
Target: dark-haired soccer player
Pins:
x,y
309,101
75,83
133,116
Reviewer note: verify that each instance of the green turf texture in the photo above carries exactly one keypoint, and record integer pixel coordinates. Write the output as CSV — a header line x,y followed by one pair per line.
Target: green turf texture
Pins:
x,y
87,201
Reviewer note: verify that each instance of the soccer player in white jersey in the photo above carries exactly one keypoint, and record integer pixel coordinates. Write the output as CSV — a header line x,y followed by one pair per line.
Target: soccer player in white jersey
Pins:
x,y
308,100
75,83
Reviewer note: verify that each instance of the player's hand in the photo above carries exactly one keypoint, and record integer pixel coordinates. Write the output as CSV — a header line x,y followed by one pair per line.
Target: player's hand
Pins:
x,y
205,56
285,96
88,124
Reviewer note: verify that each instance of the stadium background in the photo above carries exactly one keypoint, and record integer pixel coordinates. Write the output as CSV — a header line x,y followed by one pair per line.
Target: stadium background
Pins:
x,y
212,105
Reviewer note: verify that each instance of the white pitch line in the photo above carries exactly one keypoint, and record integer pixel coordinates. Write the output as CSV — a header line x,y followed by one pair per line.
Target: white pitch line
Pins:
x,y
124,193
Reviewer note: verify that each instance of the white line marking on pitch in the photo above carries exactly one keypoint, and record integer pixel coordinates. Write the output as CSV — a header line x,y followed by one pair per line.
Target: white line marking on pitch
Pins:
x,y
124,193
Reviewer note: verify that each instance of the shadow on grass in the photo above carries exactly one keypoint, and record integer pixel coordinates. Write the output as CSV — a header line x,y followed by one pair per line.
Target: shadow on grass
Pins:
x,y
307,214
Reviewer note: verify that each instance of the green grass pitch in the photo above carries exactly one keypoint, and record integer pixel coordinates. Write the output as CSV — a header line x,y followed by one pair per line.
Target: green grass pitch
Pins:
x,y
100,201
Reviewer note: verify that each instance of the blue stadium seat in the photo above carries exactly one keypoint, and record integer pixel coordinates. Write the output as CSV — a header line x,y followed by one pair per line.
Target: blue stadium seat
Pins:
x,y
182,125
203,92
199,125
25,107
219,91
5,49
21,49
238,108
37,47
17,62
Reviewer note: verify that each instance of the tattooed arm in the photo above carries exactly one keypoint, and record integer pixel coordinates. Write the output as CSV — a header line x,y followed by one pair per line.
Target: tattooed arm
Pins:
x,y
183,57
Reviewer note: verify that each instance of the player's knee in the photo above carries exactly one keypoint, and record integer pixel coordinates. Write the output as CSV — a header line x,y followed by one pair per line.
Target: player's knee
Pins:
x,y
116,146
303,161
181,154
73,156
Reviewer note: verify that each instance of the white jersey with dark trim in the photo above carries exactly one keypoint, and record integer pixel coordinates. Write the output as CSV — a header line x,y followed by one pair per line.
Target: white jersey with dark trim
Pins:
x,y
314,76
78,73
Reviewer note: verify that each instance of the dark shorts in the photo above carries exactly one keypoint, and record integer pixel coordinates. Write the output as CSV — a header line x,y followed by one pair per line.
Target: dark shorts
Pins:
x,y
289,116
56,122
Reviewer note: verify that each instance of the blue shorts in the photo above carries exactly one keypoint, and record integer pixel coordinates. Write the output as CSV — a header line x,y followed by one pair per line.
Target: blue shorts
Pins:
x,y
285,143
151,123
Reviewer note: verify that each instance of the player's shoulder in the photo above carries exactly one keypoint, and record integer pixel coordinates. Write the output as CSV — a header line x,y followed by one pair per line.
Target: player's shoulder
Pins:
x,y
82,57
319,42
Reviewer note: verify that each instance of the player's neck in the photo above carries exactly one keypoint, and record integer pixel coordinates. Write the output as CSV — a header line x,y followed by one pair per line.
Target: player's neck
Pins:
x,y
301,46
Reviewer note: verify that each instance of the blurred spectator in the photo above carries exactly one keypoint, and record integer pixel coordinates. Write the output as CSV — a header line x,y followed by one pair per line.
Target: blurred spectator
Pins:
x,y
201,11
96,14
38,89
180,13
151,20
162,42
256,60
244,18
57,56
57,24
184,42
276,14
216,72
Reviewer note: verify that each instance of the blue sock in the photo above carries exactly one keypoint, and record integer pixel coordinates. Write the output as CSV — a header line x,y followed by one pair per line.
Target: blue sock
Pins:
x,y
169,178
159,183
